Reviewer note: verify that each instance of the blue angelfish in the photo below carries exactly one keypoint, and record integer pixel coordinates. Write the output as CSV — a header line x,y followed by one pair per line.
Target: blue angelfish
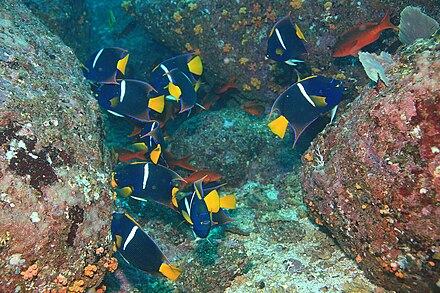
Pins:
x,y
138,249
303,102
104,64
286,42
147,181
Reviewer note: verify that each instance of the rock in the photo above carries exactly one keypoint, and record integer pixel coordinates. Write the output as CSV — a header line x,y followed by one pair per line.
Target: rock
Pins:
x,y
378,188
231,37
234,144
54,194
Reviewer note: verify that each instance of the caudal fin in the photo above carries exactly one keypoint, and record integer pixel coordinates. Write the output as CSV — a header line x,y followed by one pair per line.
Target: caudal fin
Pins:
x,y
385,22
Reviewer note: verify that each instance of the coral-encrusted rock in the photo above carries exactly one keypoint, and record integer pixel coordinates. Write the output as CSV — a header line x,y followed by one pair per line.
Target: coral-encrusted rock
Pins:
x,y
377,187
234,144
231,37
55,203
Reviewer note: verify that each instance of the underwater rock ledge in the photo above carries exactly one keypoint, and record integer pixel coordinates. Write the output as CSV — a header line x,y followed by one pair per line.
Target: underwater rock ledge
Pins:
x,y
54,193
373,179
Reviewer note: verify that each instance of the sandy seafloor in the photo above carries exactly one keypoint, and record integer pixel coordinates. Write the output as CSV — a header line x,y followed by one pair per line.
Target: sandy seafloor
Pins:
x,y
310,261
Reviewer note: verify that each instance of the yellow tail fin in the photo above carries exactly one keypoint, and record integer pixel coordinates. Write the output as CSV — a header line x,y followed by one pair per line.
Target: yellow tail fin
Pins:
x,y
155,154
122,64
212,201
170,271
157,104
279,126
228,202
195,65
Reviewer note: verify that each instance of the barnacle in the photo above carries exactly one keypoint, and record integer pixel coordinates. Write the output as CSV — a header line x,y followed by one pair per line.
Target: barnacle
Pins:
x,y
193,6
111,264
198,29
328,5
78,286
296,4
256,8
242,10
177,17
227,48
90,270
256,82
246,87
61,280
243,60
31,272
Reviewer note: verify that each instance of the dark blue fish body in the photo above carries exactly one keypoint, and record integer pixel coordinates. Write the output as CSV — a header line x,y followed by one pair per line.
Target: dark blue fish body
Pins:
x,y
151,134
203,208
195,211
190,64
188,95
286,42
151,141
303,102
128,98
138,249
177,87
105,63
147,181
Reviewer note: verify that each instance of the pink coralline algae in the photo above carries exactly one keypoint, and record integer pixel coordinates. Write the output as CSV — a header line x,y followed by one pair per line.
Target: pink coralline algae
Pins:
x,y
377,188
55,201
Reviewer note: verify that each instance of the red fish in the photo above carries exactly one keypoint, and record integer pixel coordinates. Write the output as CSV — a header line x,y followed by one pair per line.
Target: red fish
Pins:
x,y
361,35
180,162
209,100
208,176
254,108
229,85
125,155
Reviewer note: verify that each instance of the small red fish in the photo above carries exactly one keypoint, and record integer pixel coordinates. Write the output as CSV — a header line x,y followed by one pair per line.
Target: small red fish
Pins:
x,y
229,85
254,108
360,36
136,131
209,100
180,162
125,155
208,176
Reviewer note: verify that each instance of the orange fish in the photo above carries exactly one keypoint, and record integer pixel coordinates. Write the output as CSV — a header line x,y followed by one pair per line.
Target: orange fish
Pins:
x,y
180,162
209,100
361,35
136,131
208,176
125,155
254,108
229,85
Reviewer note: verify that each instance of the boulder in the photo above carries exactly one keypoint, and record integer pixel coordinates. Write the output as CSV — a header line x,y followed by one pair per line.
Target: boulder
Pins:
x,y
373,178
55,198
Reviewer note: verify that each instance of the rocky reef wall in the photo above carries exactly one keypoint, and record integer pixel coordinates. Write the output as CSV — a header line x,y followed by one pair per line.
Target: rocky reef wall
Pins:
x,y
373,179
54,194
232,35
